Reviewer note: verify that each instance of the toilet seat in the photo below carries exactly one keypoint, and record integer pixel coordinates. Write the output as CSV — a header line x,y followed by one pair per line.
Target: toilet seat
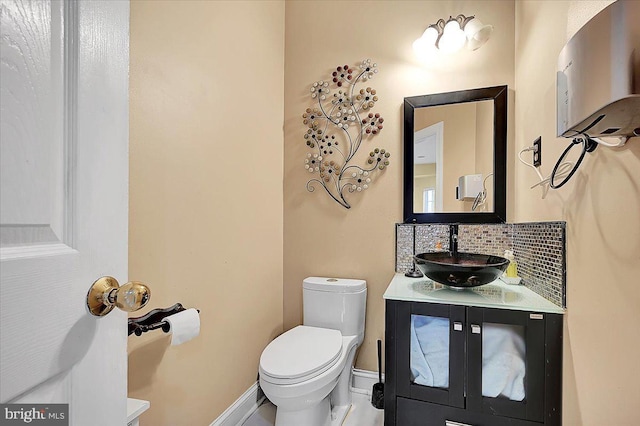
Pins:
x,y
300,354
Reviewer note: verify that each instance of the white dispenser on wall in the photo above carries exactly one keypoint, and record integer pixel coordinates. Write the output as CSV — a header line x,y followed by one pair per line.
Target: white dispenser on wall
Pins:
x,y
598,78
469,186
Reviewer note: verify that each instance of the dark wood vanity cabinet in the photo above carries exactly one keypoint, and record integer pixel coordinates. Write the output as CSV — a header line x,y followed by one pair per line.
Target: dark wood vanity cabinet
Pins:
x,y
516,344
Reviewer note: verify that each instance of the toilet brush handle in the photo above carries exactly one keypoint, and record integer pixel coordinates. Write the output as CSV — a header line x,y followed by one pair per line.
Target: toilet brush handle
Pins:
x,y
379,360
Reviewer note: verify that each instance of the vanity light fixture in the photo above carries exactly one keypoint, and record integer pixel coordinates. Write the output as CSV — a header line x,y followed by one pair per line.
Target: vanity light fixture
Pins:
x,y
453,34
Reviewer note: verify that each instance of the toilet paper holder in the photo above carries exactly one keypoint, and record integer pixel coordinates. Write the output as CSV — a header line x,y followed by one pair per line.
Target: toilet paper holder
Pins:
x,y
153,320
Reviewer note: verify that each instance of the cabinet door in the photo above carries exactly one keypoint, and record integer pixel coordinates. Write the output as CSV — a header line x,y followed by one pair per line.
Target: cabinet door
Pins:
x,y
506,363
431,359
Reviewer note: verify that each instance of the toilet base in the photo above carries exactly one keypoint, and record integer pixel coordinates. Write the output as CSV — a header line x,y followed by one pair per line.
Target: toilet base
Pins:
x,y
339,413
316,415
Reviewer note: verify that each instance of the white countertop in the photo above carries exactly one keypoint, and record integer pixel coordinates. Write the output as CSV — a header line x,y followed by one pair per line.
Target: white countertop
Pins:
x,y
493,295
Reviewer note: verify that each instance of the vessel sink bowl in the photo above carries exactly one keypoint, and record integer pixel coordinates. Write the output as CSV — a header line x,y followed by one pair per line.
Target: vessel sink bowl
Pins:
x,y
461,270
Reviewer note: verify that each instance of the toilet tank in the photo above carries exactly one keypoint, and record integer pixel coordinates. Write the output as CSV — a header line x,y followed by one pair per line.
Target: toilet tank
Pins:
x,y
335,303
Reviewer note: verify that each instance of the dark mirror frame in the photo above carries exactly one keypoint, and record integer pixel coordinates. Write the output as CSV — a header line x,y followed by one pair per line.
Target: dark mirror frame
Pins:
x,y
499,96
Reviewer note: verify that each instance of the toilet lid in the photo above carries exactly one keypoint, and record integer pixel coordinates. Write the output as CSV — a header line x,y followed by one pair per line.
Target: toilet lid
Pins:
x,y
301,351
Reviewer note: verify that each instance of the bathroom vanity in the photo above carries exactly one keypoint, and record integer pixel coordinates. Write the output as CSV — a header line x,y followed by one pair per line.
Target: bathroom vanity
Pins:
x,y
485,356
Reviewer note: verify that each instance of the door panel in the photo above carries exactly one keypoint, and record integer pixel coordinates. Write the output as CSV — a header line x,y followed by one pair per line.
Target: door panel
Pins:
x,y
34,197
507,347
63,216
434,320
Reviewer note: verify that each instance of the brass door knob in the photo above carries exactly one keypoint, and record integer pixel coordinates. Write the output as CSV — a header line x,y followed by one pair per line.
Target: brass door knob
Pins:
x,y
106,293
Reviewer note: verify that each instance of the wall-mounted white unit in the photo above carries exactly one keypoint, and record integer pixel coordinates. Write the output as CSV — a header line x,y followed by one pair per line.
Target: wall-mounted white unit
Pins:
x,y
598,79
469,186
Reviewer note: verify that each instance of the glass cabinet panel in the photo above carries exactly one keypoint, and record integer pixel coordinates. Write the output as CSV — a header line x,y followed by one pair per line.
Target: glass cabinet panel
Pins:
x,y
429,359
506,363
503,361
431,366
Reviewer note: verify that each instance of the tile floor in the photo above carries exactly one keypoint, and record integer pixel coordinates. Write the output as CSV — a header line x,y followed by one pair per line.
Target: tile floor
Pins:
x,y
362,413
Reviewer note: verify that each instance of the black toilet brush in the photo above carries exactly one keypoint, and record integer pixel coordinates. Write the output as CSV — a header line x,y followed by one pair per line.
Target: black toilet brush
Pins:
x,y
377,394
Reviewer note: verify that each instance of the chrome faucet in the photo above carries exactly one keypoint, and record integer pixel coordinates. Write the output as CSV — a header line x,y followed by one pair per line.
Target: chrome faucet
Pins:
x,y
453,240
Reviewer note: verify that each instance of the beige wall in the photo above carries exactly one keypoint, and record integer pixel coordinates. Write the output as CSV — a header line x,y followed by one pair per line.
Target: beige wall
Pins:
x,y
484,149
321,237
206,100
601,205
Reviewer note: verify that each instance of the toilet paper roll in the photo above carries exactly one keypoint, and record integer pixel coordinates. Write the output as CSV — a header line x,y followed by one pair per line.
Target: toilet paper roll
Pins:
x,y
183,326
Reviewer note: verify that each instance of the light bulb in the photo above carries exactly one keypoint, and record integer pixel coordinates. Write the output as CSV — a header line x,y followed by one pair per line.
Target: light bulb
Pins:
x,y
430,35
477,33
426,43
452,38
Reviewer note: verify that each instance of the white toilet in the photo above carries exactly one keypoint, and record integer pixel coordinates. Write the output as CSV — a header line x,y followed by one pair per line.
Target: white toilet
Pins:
x,y
306,371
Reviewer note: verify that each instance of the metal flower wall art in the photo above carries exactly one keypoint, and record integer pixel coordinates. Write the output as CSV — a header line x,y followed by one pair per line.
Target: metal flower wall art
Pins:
x,y
341,119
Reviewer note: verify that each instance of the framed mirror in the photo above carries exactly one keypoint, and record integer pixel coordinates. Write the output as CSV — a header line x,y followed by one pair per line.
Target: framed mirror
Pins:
x,y
455,157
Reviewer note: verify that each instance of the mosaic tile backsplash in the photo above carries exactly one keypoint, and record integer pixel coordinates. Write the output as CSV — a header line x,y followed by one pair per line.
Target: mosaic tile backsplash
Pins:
x,y
539,249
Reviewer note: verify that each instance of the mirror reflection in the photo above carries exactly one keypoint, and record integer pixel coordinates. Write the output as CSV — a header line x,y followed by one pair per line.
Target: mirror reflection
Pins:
x,y
453,158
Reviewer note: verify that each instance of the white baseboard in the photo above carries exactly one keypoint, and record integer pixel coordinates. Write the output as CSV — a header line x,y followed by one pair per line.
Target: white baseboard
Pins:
x,y
241,409
362,382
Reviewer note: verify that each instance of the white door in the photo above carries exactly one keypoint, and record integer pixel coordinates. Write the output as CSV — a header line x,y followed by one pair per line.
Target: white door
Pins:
x,y
428,149
63,201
